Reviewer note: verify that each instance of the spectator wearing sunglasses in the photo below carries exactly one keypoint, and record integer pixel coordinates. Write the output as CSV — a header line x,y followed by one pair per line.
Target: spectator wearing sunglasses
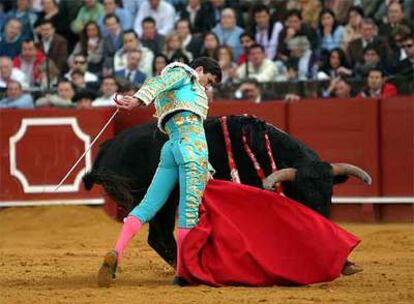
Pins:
x,y
398,52
406,67
79,63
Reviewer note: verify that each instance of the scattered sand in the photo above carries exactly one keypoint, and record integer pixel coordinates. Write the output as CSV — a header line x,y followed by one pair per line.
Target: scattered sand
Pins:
x,y
51,255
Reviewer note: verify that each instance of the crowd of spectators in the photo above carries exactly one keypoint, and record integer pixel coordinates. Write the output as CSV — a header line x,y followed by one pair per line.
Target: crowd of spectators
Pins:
x,y
68,53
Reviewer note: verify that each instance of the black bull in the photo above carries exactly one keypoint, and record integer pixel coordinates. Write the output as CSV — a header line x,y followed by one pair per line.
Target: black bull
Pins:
x,y
126,164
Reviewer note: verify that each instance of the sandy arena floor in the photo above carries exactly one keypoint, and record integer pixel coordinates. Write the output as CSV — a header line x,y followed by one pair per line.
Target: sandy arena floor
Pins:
x,y
51,255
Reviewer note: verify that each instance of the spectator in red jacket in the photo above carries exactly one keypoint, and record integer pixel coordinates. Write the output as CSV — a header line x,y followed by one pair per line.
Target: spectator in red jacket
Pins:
x,y
29,62
377,86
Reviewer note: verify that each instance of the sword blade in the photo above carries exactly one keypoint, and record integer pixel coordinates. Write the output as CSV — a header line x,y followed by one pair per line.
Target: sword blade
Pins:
x,y
87,150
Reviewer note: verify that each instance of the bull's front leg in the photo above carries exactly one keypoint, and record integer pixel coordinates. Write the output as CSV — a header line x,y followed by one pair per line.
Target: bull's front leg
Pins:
x,y
161,231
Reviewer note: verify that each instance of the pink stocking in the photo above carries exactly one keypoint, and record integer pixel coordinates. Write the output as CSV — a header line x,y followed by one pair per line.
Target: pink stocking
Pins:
x,y
182,233
130,227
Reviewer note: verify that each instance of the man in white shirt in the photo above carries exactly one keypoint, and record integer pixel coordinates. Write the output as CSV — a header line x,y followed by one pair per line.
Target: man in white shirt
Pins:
x,y
109,87
162,12
8,72
258,66
80,63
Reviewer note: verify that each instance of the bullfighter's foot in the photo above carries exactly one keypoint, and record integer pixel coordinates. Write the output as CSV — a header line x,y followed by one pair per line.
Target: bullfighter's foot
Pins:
x,y
179,281
107,272
351,268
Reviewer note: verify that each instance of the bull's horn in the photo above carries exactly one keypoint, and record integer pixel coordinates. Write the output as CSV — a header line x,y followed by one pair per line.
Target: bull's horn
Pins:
x,y
348,169
283,175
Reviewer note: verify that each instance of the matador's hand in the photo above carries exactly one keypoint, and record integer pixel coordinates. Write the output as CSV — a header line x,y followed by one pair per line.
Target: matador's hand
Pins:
x,y
126,102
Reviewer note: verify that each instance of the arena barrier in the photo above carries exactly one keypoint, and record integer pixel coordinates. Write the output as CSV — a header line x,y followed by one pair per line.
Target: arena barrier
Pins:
x,y
39,146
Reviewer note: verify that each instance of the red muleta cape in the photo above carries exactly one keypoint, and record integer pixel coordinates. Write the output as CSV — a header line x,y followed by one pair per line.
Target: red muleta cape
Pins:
x,y
253,237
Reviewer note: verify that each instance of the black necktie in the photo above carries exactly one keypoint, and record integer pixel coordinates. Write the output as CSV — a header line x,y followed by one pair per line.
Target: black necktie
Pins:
x,y
129,74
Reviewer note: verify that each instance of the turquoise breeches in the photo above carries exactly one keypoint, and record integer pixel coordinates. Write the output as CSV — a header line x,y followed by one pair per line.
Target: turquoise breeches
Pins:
x,y
183,160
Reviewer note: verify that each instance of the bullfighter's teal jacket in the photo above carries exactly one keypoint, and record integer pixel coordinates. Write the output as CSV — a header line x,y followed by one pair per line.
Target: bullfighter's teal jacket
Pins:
x,y
177,88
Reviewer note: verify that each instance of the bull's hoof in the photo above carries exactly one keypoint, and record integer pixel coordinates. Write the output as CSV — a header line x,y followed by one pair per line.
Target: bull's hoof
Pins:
x,y
107,272
179,281
351,268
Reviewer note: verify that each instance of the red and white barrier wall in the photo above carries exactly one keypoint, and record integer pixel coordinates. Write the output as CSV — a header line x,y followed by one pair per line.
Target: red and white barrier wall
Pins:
x,y
37,148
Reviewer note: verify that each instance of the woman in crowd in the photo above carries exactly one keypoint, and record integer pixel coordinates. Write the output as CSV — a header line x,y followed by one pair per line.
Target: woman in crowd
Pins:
x,y
352,29
173,45
335,65
330,33
224,56
160,61
91,46
210,44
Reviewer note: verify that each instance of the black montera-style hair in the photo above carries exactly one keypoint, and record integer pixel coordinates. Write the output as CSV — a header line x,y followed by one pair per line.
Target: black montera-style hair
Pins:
x,y
209,66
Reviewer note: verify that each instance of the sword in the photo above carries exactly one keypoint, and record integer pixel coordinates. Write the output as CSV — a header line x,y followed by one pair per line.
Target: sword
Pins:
x,y
90,146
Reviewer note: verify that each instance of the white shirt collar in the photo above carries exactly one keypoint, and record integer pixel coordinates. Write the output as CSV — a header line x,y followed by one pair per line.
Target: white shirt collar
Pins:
x,y
187,40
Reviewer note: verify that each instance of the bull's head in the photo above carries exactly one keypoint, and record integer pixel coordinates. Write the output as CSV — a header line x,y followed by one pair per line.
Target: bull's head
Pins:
x,y
338,170
312,184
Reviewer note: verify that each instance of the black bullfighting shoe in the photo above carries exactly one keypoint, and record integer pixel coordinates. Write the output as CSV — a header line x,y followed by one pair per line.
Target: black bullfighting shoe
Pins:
x,y
107,272
351,268
179,281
